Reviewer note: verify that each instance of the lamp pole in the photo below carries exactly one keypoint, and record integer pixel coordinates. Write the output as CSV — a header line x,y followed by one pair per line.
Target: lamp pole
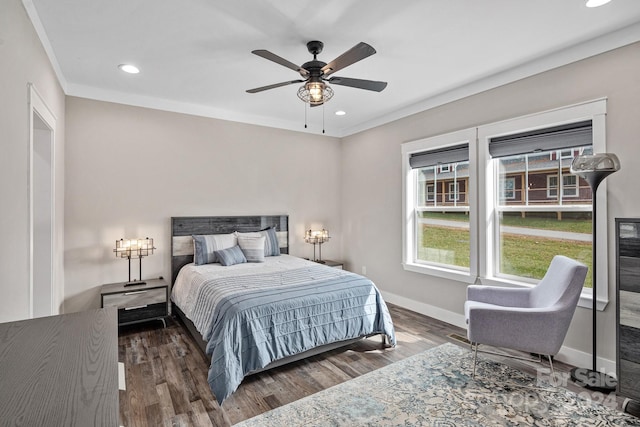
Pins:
x,y
594,169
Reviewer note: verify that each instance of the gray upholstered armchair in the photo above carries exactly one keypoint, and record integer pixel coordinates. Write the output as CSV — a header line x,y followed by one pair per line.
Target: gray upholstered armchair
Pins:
x,y
534,320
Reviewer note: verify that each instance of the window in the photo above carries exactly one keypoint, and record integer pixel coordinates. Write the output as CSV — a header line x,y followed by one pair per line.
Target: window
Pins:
x,y
552,186
569,185
430,192
454,191
514,198
545,222
508,188
437,199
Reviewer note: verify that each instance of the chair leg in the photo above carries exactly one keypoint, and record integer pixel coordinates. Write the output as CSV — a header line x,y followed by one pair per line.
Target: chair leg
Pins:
x,y
551,365
475,358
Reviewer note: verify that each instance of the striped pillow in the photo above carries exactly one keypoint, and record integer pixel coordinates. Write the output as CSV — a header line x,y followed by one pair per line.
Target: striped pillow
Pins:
x,y
271,245
252,247
205,246
231,256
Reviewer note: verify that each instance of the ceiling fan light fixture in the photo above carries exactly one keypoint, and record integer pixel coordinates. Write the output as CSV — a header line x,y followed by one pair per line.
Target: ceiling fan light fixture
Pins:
x,y
315,93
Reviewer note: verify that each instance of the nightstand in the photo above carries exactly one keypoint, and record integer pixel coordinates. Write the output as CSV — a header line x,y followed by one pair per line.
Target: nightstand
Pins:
x,y
137,303
334,264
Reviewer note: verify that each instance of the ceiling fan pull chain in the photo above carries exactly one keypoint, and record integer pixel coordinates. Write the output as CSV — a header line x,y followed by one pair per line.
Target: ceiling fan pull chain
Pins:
x,y
305,115
322,118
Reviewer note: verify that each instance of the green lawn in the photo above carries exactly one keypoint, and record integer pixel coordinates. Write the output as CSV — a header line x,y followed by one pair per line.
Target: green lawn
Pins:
x,y
525,256
571,221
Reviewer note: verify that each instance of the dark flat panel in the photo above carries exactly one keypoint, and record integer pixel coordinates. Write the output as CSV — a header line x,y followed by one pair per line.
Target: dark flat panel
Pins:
x,y
629,345
190,225
629,274
187,226
151,311
629,381
60,370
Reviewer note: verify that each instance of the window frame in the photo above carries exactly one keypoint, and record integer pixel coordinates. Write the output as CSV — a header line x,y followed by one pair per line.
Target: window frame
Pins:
x,y
504,188
550,187
409,204
433,193
566,186
453,194
481,206
592,110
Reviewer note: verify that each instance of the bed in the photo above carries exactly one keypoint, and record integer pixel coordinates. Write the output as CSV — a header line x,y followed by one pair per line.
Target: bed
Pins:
x,y
250,316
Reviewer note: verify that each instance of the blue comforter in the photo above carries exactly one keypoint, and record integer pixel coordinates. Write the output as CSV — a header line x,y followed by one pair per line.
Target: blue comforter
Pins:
x,y
252,320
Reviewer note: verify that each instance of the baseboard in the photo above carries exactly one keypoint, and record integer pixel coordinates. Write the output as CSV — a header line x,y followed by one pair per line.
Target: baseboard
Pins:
x,y
441,314
567,354
583,360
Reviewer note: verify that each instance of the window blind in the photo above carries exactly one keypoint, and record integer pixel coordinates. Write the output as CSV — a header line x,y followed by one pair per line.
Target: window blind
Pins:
x,y
553,138
454,154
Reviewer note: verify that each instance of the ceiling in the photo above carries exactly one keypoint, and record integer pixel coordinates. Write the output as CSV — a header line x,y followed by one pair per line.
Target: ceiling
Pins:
x,y
195,55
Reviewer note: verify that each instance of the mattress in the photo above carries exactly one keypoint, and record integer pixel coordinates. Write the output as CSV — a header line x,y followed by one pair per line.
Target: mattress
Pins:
x,y
252,314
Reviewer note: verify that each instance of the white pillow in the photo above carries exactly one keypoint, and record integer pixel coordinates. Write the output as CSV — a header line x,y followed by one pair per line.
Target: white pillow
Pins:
x,y
252,247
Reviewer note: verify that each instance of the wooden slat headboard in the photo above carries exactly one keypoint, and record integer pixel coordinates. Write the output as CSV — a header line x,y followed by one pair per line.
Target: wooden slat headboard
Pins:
x,y
182,228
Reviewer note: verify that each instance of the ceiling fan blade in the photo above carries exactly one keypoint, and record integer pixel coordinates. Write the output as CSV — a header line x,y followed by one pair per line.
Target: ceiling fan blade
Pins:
x,y
358,83
355,54
273,86
279,60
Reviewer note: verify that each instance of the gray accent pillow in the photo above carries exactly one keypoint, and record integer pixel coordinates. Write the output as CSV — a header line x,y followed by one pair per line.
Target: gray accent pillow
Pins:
x,y
252,247
271,245
205,246
230,256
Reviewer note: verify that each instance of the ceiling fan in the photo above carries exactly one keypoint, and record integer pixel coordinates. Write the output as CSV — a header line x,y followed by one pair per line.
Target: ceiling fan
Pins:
x,y
315,90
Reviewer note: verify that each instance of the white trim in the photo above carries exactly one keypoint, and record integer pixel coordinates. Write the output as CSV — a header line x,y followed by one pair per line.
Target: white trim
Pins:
x,y
438,313
566,354
37,106
590,110
622,37
613,40
44,40
460,276
466,136
581,359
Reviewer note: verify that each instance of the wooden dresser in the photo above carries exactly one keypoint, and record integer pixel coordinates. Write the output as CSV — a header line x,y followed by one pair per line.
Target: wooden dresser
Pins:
x,y
60,370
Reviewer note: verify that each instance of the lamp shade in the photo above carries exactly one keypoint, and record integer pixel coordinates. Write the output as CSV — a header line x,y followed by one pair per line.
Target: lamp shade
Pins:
x,y
316,236
595,167
134,248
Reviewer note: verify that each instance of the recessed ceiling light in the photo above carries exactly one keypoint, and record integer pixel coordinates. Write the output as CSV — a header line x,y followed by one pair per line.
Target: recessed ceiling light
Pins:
x,y
128,68
340,113
596,3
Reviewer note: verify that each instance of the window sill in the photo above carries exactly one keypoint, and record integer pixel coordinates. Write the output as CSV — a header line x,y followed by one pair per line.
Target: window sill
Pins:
x,y
445,273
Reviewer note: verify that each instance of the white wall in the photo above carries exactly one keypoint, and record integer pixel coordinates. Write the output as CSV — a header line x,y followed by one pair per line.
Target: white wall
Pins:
x,y
23,60
371,202
130,169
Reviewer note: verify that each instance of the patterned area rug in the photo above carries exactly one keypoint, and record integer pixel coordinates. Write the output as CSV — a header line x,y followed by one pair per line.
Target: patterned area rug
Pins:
x,y
435,388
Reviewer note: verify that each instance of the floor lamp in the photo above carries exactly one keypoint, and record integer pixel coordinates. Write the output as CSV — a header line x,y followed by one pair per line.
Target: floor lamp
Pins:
x,y
594,168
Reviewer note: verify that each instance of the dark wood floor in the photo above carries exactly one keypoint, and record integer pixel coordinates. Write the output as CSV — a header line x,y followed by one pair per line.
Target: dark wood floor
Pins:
x,y
166,375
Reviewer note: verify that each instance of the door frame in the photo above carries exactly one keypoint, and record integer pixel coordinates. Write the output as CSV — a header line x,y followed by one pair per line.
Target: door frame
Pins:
x,y
38,109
